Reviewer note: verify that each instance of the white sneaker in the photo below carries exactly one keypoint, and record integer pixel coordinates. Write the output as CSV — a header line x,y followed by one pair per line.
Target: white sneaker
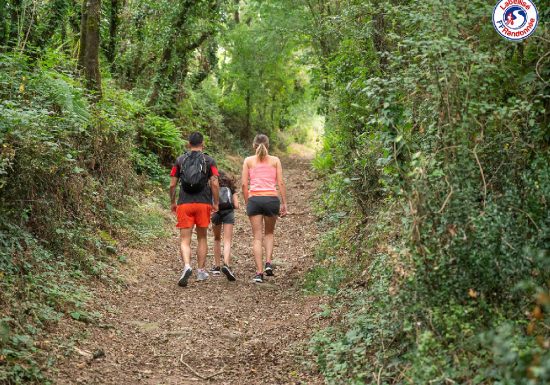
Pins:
x,y
202,275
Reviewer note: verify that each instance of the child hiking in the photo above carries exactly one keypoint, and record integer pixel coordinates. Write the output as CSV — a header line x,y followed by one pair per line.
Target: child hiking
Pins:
x,y
224,220
197,175
262,174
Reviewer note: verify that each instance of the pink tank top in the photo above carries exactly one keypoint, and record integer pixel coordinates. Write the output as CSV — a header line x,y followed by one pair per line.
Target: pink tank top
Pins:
x,y
263,179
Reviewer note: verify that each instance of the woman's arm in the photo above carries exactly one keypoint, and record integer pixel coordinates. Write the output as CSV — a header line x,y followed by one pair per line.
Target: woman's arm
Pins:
x,y
244,183
282,187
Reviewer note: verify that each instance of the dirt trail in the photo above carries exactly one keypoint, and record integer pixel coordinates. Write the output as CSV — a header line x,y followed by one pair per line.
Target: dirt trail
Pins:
x,y
254,333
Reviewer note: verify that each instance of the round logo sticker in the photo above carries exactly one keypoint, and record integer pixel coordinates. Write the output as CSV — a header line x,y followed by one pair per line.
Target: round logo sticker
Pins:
x,y
515,19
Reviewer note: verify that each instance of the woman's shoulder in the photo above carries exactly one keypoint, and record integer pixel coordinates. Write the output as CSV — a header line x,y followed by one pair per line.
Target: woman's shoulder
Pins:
x,y
248,160
274,160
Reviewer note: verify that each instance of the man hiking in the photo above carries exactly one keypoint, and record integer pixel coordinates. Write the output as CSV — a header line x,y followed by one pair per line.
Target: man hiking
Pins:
x,y
197,200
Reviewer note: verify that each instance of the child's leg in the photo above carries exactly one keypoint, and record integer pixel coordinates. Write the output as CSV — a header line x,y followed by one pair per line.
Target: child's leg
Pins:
x,y
217,244
227,239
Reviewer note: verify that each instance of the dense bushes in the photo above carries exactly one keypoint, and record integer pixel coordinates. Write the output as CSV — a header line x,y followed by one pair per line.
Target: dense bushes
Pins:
x,y
71,174
451,122
69,177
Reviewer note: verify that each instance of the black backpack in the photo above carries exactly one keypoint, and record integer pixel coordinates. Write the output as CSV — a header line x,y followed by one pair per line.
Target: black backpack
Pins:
x,y
193,175
226,199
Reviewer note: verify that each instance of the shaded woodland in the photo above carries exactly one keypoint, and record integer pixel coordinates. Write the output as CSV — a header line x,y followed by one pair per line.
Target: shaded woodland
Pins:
x,y
432,136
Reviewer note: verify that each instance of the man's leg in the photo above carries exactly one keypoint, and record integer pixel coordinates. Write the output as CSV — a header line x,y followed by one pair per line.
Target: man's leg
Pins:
x,y
185,250
202,246
185,245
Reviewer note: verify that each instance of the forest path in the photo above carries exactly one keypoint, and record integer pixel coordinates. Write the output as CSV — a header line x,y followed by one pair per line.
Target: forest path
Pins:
x,y
253,333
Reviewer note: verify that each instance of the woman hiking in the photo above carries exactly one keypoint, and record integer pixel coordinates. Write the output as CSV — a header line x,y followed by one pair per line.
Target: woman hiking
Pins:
x,y
262,174
228,203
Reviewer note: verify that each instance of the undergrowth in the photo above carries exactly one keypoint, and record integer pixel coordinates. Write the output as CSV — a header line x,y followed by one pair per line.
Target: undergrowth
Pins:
x,y
78,183
436,191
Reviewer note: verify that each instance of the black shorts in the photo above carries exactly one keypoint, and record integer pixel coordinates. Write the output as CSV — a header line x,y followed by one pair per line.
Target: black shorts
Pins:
x,y
224,216
268,206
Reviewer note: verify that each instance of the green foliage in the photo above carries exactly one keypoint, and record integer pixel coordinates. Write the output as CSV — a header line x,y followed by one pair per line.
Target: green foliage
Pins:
x,y
161,136
66,187
48,282
265,82
148,164
437,121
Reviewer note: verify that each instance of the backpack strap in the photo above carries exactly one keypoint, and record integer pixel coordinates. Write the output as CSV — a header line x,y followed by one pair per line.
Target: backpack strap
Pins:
x,y
184,157
204,163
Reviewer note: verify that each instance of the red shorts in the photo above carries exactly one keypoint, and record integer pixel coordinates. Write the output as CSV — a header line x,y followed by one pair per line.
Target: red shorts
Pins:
x,y
190,214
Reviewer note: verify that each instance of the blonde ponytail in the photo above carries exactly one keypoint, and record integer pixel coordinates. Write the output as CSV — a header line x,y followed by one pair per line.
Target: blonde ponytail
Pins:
x,y
261,144
261,151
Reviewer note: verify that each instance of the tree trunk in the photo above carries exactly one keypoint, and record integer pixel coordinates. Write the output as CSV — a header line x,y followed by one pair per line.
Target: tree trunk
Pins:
x,y
378,38
272,112
83,32
248,114
167,74
236,14
164,64
163,68
3,24
114,21
15,11
89,46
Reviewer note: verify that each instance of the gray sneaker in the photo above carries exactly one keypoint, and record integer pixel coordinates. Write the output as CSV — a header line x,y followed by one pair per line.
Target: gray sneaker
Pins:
x,y
202,275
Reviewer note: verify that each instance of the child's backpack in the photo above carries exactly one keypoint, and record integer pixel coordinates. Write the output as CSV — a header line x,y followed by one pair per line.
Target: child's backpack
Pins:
x,y
193,176
226,199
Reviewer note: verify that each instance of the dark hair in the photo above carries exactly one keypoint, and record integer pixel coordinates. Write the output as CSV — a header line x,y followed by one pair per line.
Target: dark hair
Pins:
x,y
227,180
196,139
261,144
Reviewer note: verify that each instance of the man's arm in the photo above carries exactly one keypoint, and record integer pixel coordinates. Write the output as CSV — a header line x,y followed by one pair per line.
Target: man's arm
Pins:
x,y
173,188
215,186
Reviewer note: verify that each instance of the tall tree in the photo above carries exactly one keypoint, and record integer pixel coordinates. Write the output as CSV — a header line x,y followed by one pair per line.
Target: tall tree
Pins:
x,y
3,23
114,21
15,13
88,59
236,12
182,41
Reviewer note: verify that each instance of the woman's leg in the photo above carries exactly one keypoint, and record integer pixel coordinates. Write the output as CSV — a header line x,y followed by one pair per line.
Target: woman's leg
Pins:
x,y
217,244
268,237
227,239
256,222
